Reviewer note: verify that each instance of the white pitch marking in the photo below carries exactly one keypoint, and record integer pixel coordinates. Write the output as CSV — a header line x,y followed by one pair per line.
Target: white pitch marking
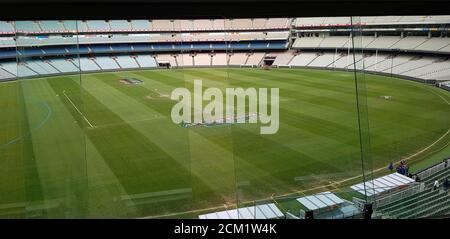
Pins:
x,y
84,117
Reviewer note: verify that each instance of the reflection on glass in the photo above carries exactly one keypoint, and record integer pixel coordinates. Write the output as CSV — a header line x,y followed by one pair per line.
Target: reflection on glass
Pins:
x,y
327,117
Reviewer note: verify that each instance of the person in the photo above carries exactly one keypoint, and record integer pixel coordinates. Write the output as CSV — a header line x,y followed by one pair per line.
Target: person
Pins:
x,y
417,178
436,185
446,184
391,166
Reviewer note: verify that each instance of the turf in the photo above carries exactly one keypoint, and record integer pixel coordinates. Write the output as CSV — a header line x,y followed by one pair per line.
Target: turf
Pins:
x,y
134,162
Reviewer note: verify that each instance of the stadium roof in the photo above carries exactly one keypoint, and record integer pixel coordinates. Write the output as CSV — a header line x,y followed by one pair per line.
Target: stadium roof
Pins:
x,y
265,211
382,184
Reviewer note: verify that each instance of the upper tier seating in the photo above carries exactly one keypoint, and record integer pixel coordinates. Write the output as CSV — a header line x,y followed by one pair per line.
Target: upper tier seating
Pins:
x,y
141,25
411,43
71,25
308,42
413,66
119,25
163,25
147,25
6,27
434,44
372,20
51,26
96,25
27,26
81,26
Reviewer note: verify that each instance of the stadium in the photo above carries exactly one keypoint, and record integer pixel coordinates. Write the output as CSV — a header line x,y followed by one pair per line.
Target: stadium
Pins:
x,y
363,130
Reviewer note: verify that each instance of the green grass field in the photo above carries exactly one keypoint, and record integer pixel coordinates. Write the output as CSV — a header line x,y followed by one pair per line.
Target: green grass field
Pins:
x,y
127,159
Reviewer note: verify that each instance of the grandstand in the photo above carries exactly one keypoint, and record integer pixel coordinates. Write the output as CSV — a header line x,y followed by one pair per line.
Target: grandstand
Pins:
x,y
427,202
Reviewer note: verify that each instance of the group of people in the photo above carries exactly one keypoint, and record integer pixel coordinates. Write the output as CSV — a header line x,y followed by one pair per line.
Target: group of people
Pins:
x,y
402,168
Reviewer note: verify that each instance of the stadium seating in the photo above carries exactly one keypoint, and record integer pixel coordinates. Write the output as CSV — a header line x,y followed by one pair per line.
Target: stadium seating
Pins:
x,y
254,59
434,44
146,61
283,59
411,43
166,59
6,27
238,59
119,25
275,23
27,26
64,65
308,42
220,59
334,42
126,62
203,59
70,25
321,50
10,67
414,63
5,75
163,25
384,42
87,64
49,69
323,61
141,25
51,26
96,25
303,59
146,25
82,26
24,70
427,203
375,20
186,60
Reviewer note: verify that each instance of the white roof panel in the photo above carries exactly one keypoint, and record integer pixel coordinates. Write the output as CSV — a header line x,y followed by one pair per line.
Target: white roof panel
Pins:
x,y
307,204
382,184
264,211
332,197
320,200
